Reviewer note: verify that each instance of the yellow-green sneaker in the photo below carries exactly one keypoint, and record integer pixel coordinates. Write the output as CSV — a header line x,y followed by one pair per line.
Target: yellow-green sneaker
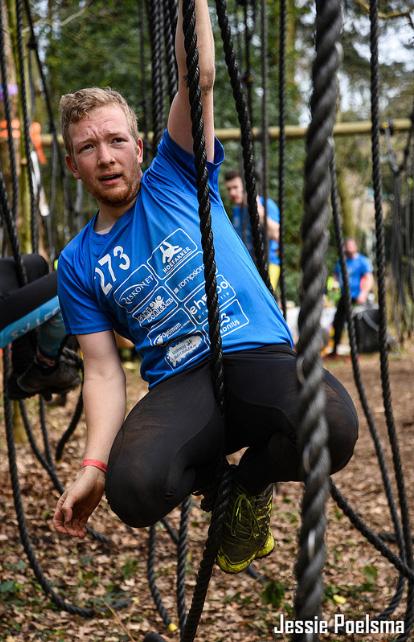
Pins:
x,y
246,530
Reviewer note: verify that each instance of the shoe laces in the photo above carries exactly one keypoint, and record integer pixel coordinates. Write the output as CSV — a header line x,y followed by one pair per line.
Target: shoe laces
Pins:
x,y
244,519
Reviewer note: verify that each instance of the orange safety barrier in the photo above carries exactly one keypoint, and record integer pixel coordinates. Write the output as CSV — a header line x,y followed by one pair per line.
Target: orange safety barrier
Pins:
x,y
35,131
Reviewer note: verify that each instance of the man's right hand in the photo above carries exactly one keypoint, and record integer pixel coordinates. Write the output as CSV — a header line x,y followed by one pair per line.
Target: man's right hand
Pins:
x,y
79,501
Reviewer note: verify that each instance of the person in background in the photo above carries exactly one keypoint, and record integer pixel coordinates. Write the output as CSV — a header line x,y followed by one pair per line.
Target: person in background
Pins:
x,y
361,281
241,221
30,320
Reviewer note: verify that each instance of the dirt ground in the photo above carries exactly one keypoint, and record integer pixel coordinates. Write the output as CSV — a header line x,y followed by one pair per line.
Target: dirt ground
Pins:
x,y
358,581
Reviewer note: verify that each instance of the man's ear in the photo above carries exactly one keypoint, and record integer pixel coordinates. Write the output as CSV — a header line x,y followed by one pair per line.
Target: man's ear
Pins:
x,y
140,150
71,165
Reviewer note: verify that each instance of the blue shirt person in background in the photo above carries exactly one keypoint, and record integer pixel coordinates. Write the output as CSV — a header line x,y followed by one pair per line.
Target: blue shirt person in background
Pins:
x,y
361,281
137,268
241,221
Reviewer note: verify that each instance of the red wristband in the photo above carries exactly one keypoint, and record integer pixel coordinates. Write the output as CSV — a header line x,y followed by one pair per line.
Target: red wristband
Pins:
x,y
95,463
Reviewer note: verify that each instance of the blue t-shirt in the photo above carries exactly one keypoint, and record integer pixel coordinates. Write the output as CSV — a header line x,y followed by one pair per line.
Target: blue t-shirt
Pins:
x,y
357,267
145,277
241,223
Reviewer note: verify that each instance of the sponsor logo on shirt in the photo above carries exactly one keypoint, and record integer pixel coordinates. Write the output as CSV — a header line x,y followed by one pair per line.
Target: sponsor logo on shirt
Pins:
x,y
171,253
135,289
187,278
161,303
185,350
232,318
177,323
197,303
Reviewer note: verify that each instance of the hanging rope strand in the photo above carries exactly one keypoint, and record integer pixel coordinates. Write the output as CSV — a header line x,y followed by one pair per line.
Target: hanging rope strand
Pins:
x,y
282,147
155,22
200,160
265,121
171,65
380,256
25,128
246,140
10,224
313,434
337,220
8,116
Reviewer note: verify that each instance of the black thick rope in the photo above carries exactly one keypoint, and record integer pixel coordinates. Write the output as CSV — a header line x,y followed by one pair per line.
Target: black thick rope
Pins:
x,y
10,224
337,220
265,120
169,31
77,414
8,117
200,160
209,556
372,538
143,118
282,149
43,428
25,538
156,595
156,31
380,256
172,15
312,433
24,127
204,210
57,150
182,551
246,140
49,467
180,540
248,76
402,237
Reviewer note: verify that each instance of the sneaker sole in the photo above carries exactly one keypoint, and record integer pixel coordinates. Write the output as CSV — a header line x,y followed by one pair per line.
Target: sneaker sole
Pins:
x,y
267,548
228,567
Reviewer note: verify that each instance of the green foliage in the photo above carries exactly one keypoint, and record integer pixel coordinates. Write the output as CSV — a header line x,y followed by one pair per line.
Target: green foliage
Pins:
x,y
371,575
9,589
129,569
273,593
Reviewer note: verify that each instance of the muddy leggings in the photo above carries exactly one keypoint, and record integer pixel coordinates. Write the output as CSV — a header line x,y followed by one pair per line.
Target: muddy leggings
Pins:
x,y
172,441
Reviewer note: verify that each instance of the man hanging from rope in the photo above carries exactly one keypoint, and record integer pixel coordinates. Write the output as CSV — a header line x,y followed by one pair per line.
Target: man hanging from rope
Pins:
x,y
137,268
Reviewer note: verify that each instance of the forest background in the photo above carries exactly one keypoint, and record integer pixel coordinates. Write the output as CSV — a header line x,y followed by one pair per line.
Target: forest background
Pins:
x,y
106,43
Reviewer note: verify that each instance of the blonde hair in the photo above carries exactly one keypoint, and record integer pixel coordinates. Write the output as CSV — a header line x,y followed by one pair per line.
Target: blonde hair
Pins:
x,y
74,107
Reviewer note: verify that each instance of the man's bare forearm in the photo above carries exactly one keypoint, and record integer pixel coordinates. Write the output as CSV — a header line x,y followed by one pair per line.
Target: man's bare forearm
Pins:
x,y
104,402
205,45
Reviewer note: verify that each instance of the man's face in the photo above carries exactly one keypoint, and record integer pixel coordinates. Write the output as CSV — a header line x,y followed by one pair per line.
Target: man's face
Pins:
x,y
106,157
351,248
235,190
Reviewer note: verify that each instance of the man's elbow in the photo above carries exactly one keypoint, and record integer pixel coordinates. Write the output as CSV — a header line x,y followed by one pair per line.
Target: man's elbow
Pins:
x,y
207,78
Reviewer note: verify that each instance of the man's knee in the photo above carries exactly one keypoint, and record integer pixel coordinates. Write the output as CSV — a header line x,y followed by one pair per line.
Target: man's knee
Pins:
x,y
341,445
342,421
137,498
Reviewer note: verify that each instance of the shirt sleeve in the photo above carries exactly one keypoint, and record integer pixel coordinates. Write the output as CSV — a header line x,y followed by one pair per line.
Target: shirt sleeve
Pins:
x,y
175,168
272,210
80,310
366,266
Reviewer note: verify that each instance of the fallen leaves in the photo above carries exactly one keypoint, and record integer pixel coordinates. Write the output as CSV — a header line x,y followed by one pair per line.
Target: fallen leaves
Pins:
x,y
357,579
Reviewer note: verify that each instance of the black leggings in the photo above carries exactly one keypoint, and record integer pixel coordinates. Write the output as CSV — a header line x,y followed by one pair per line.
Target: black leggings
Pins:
x,y
172,441
339,321
16,301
